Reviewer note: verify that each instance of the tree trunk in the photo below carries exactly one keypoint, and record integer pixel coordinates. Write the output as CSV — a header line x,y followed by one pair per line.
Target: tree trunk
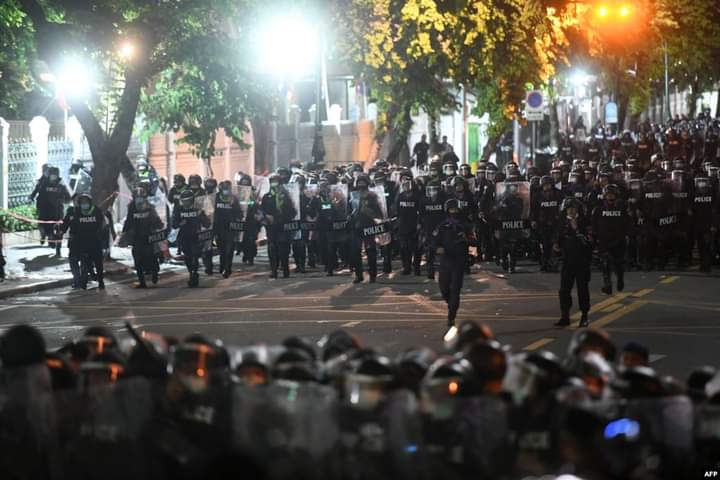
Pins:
x,y
695,94
394,146
717,104
432,124
490,147
554,125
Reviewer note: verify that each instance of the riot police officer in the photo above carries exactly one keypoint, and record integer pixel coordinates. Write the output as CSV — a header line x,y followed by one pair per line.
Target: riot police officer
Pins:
x,y
365,212
545,219
278,210
227,212
610,224
190,220
432,212
332,221
85,223
450,240
704,220
248,247
407,206
141,223
52,194
573,243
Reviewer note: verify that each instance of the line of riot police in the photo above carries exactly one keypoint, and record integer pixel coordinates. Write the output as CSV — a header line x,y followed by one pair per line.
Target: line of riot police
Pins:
x,y
149,406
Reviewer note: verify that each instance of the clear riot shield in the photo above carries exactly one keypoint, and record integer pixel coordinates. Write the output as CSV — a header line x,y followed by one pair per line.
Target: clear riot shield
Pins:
x,y
293,227
262,186
338,206
483,428
513,207
309,223
246,200
680,192
158,239
381,231
206,203
300,416
80,182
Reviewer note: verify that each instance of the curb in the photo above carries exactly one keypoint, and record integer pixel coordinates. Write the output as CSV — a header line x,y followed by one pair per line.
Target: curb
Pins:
x,y
59,283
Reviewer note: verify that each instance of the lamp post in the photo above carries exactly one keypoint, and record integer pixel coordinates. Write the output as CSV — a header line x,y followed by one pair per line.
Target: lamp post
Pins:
x,y
318,148
666,99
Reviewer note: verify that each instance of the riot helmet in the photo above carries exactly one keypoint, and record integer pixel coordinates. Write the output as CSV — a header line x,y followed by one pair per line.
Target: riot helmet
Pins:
x,y
178,180
187,199
195,182
210,185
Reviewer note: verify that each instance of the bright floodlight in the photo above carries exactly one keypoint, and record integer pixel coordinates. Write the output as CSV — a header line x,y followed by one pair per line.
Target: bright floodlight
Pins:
x,y
603,11
75,79
126,51
578,78
289,46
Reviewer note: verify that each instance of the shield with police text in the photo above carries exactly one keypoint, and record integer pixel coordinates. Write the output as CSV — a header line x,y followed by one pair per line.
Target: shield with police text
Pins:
x,y
245,196
206,204
513,206
293,226
382,227
335,207
309,222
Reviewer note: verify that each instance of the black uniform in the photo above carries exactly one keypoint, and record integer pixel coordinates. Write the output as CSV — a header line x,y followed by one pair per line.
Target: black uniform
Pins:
x,y
332,227
85,243
51,197
451,236
407,206
485,206
431,214
657,223
545,215
248,247
139,228
576,252
227,217
610,224
366,211
278,209
309,207
704,222
511,228
190,221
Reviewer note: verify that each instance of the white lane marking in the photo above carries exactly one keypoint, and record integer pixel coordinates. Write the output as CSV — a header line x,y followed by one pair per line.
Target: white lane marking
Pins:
x,y
350,324
7,307
656,357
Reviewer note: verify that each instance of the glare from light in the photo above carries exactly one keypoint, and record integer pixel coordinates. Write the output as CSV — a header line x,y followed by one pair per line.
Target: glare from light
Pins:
x,y
126,50
289,47
579,78
75,79
625,11
603,11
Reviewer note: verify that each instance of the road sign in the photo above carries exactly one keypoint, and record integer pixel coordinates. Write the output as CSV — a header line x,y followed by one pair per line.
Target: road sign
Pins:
x,y
534,100
534,115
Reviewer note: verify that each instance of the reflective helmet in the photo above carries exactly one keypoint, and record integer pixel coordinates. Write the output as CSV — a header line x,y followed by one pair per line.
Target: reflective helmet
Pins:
x,y
242,179
178,179
592,340
210,184
195,180
442,384
451,204
489,363
369,381
284,174
187,199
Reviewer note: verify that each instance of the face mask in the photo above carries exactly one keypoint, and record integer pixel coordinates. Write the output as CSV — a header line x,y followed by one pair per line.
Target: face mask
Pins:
x,y
432,192
406,186
53,178
225,192
140,203
84,207
274,185
45,174
194,187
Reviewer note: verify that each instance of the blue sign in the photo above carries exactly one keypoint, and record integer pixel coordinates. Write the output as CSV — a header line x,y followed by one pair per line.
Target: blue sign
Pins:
x,y
611,112
534,99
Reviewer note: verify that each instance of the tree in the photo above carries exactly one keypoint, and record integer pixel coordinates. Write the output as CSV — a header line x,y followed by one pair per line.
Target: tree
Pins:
x,y
176,66
15,78
418,53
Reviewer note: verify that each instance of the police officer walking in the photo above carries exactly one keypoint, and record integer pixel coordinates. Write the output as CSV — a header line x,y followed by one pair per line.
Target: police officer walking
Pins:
x,y
450,240
189,220
227,213
545,219
574,245
609,227
365,211
278,209
85,223
406,208
51,195
432,213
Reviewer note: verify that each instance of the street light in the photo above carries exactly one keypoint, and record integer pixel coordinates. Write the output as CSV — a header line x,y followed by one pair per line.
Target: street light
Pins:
x,y
291,47
75,78
126,50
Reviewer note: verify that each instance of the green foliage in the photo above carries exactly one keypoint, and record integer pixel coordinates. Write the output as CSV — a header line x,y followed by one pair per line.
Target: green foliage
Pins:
x,y
9,224
15,51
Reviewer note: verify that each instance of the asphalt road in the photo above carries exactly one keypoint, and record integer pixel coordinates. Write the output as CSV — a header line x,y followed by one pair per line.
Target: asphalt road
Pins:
x,y
673,313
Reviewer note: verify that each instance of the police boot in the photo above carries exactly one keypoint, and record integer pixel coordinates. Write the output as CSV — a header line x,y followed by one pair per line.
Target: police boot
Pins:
x,y
57,249
286,271
564,320
584,319
607,286
358,277
154,276
226,273
195,279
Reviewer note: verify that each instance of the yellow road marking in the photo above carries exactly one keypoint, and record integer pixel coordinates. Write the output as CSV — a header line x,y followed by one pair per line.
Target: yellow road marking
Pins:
x,y
669,280
538,344
643,292
599,306
626,309
612,308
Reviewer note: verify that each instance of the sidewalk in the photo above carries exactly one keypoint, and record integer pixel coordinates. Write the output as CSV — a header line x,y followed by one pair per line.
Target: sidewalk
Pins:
x,y
32,268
